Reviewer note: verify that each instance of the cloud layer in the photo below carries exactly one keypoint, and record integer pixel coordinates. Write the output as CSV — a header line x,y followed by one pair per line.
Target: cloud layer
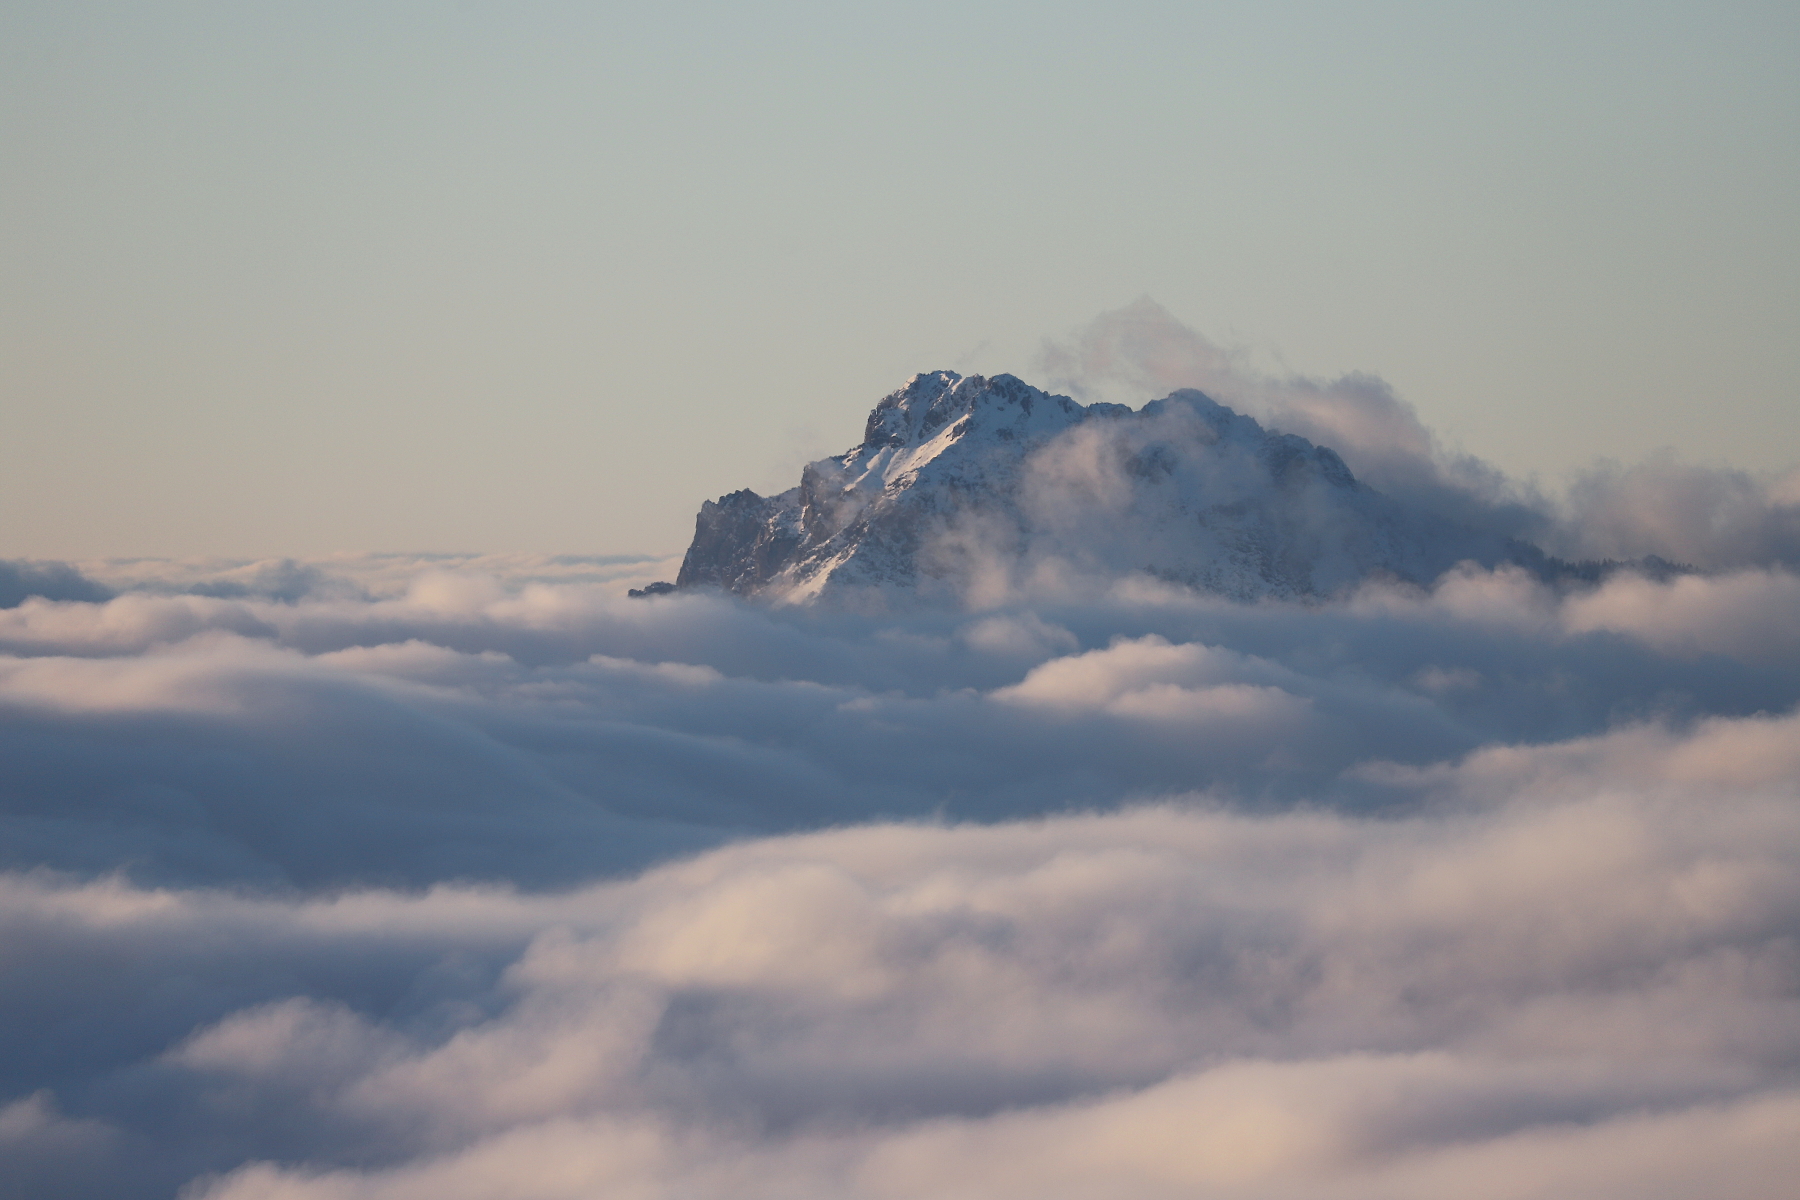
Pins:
x,y
471,727
473,878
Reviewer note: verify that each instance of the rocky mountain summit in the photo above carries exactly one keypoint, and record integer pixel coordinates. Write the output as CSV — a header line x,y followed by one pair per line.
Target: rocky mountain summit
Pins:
x,y
975,488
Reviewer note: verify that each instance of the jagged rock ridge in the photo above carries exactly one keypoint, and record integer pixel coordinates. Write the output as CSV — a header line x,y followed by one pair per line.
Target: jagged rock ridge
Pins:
x,y
973,486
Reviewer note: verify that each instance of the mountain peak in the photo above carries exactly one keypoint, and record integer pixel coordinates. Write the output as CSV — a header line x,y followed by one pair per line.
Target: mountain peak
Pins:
x,y
931,401
964,485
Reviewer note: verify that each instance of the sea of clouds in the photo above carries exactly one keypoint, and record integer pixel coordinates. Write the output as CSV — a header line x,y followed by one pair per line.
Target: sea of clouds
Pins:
x,y
469,877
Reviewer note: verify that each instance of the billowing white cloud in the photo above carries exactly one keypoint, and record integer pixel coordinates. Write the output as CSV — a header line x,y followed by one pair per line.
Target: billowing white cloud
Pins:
x,y
1747,615
1199,689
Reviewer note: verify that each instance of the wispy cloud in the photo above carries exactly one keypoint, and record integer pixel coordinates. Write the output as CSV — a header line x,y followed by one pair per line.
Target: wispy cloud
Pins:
x,y
1707,516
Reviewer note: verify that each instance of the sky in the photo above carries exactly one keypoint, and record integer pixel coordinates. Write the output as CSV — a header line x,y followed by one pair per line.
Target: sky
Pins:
x,y
363,838
542,277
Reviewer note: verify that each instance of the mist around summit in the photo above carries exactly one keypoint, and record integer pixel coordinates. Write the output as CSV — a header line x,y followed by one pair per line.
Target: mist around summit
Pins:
x,y
1411,865
976,491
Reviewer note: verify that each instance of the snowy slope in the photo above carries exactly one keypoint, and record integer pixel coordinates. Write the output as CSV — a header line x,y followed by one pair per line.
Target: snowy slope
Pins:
x,y
973,488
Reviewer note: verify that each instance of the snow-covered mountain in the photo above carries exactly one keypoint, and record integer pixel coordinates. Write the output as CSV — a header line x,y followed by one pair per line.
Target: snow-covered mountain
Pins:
x,y
972,488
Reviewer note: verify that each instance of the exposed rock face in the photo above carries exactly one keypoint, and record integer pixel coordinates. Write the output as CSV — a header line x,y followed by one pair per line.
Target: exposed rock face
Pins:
x,y
971,488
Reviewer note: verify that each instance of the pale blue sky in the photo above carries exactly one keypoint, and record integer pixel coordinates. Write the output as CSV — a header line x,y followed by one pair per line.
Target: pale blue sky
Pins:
x,y
293,279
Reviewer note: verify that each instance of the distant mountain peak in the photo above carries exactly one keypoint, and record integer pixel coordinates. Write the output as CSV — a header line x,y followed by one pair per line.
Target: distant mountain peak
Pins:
x,y
965,487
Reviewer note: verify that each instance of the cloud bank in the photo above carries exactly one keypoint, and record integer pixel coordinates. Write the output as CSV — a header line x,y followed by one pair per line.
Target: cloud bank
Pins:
x,y
474,728
474,878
